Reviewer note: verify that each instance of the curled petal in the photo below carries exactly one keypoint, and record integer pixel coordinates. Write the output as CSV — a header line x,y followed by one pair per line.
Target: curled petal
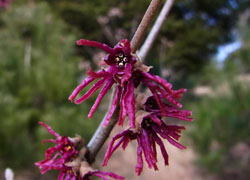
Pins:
x,y
146,146
99,98
162,148
166,85
156,95
164,133
49,129
85,42
113,105
155,119
123,110
130,103
139,165
99,74
125,46
112,146
127,73
161,93
84,83
179,114
91,91
179,93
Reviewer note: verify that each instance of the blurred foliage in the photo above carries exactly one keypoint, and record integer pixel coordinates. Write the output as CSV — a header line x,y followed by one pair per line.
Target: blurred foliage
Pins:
x,y
221,130
221,123
239,61
187,40
38,70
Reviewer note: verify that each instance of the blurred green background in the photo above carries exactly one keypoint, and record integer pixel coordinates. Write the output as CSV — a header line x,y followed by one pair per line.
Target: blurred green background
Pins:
x,y
203,46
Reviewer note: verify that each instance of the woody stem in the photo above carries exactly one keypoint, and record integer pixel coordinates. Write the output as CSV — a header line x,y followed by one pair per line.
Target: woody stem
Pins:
x,y
144,24
103,132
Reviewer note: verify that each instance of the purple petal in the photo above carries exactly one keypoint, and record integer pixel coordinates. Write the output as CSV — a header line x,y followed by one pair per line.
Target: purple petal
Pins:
x,y
99,74
153,89
76,91
92,90
49,129
111,147
139,165
125,142
130,103
105,47
174,131
125,46
178,115
155,119
175,143
166,85
99,98
179,93
127,73
153,145
162,147
164,133
169,97
146,146
123,112
111,111
61,175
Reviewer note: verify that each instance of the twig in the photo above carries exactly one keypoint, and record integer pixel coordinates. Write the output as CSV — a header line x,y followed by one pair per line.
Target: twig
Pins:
x,y
155,30
102,133
145,22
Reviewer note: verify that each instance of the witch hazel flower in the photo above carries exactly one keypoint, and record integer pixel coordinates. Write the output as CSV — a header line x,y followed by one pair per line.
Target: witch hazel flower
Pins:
x,y
68,160
125,71
120,63
151,130
56,157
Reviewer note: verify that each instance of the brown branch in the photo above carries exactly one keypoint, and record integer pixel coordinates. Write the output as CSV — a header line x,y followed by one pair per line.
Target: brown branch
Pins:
x,y
145,23
155,29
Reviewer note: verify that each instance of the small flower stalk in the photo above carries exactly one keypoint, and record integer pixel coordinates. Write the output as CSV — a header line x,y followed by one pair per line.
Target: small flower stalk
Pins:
x,y
68,160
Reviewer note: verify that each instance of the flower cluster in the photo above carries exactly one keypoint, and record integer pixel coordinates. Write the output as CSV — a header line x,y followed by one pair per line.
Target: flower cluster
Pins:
x,y
125,72
151,128
66,158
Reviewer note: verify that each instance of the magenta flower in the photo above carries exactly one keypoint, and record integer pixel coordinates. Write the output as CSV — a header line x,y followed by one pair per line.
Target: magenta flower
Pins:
x,y
57,156
5,3
166,110
119,72
150,131
65,158
125,72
